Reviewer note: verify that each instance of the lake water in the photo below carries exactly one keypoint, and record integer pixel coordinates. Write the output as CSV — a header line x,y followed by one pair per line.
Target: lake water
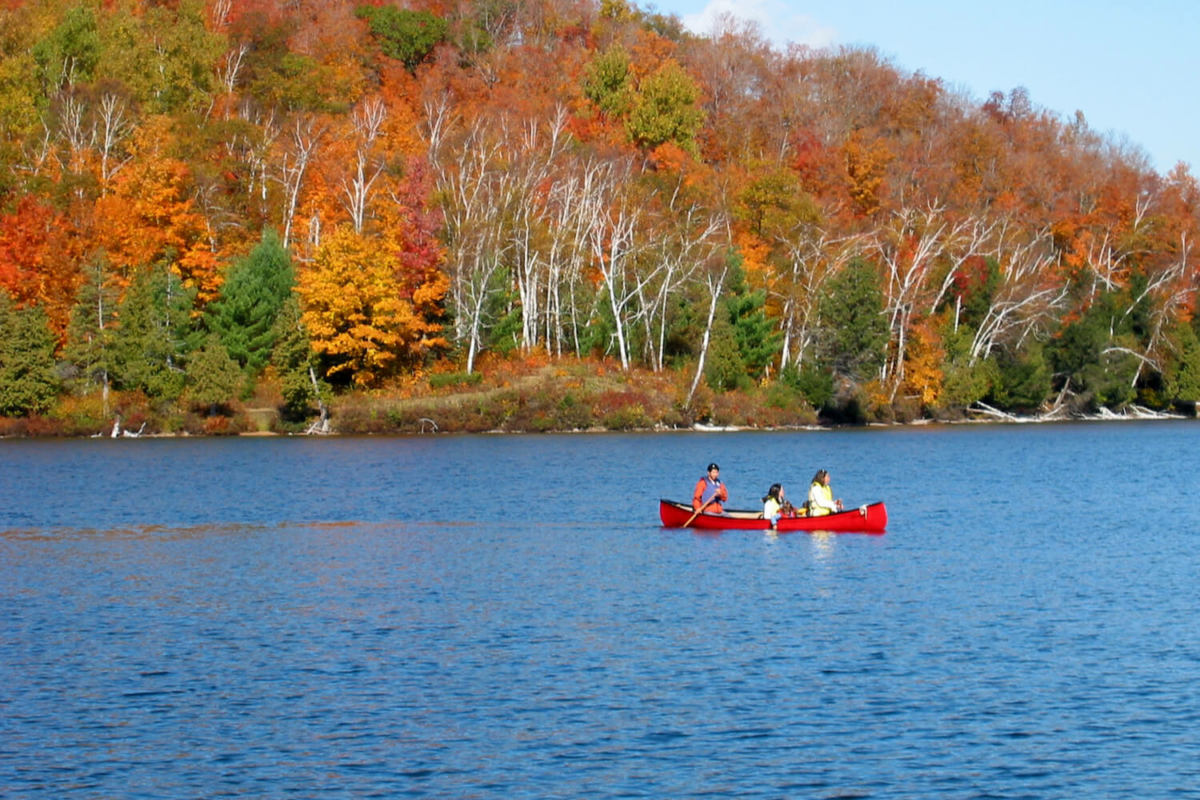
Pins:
x,y
479,617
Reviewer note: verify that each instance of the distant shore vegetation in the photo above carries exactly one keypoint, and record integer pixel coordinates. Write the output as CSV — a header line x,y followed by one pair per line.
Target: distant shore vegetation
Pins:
x,y
224,217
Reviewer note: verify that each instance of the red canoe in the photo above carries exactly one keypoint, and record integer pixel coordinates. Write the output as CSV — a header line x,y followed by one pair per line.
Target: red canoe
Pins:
x,y
865,519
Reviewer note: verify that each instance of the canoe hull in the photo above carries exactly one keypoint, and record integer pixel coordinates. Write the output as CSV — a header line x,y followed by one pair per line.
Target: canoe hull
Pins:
x,y
867,519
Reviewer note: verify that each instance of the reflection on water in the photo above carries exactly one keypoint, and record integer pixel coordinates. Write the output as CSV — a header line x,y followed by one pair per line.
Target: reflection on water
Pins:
x,y
823,544
322,618
165,532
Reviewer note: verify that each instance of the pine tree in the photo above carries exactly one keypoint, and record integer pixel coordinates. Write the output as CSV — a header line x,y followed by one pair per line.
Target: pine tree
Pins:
x,y
1023,380
1095,350
154,335
755,335
852,313
815,383
296,362
28,383
90,333
1183,374
213,377
254,292
724,369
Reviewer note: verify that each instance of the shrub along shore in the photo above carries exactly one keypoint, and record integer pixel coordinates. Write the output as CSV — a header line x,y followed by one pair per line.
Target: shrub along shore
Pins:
x,y
524,396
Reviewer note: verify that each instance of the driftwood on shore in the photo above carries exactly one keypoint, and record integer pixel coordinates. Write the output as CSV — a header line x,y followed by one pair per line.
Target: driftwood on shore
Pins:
x,y
981,407
321,425
118,431
1060,412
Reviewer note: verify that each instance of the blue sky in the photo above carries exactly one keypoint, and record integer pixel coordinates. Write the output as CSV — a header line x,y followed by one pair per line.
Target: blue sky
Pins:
x,y
1132,69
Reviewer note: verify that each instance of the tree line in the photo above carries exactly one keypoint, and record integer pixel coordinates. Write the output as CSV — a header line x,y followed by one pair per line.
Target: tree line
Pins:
x,y
336,196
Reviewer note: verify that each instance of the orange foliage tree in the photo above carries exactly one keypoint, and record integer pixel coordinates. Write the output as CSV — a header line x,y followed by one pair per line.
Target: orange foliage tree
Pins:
x,y
37,264
151,215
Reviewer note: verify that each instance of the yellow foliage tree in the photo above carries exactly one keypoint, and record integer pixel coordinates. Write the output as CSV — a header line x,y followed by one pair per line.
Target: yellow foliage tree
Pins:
x,y
353,310
866,165
923,367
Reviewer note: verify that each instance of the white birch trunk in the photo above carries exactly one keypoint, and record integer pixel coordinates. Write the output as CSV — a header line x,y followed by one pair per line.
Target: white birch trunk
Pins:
x,y
714,288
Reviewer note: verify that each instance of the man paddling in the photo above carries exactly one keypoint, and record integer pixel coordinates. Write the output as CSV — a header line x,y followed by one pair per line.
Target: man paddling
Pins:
x,y
710,492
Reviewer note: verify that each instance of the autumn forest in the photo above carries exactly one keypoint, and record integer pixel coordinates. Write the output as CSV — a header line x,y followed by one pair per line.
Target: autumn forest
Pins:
x,y
323,215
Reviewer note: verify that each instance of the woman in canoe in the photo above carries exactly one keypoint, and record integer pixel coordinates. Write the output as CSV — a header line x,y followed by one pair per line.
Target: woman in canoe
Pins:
x,y
710,492
773,504
820,496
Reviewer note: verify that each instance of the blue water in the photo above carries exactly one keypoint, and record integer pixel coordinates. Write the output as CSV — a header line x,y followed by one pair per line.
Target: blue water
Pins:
x,y
488,617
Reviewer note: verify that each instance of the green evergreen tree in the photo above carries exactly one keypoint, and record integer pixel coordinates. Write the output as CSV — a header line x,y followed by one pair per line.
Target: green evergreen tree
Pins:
x,y
1111,381
685,329
597,336
1023,380
28,383
92,328
852,315
812,381
724,369
963,382
756,337
502,314
213,377
1183,372
293,357
1095,351
154,336
974,286
254,291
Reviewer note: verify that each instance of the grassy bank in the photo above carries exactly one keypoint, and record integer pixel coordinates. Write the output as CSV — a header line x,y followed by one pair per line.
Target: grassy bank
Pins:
x,y
513,396
518,396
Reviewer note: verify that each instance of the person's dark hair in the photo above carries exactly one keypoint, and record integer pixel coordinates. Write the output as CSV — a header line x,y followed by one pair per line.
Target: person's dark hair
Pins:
x,y
773,492
820,477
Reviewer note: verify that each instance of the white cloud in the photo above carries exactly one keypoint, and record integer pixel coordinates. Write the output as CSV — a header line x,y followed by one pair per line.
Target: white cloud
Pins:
x,y
776,22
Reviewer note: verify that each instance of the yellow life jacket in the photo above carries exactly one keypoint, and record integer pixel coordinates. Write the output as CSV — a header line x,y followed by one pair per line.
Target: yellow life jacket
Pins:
x,y
824,493
770,507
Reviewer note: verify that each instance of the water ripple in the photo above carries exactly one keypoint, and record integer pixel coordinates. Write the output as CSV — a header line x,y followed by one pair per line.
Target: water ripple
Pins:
x,y
342,619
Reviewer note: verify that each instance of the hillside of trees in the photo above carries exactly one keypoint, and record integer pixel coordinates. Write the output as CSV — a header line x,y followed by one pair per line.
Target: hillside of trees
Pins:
x,y
339,210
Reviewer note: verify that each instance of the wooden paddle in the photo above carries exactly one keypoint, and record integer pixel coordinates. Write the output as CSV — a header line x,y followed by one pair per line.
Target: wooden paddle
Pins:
x,y
696,513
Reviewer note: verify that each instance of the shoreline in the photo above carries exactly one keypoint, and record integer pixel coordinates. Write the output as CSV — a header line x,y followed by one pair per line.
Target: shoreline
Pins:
x,y
520,398
699,428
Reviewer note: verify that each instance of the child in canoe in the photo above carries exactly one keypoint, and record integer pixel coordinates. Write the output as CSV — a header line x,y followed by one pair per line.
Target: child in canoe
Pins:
x,y
775,507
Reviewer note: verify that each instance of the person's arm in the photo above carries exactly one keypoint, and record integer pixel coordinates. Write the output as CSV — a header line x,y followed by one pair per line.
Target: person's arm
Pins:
x,y
697,496
723,493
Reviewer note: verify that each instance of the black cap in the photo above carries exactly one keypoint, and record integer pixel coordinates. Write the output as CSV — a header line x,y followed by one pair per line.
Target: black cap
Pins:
x,y
711,467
